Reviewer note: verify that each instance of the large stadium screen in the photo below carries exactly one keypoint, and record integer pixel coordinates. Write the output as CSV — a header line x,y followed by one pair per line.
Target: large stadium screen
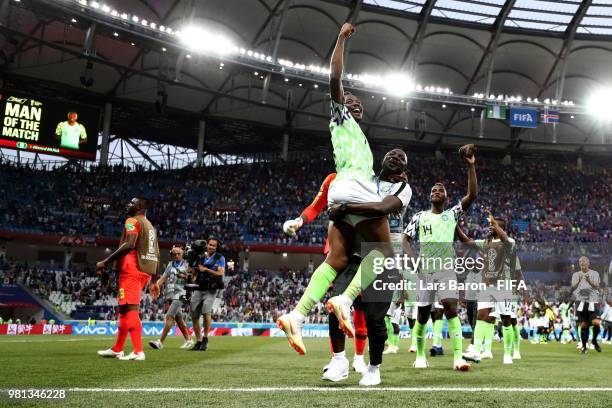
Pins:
x,y
46,126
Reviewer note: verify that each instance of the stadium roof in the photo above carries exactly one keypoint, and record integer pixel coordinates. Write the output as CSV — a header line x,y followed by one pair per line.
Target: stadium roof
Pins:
x,y
525,48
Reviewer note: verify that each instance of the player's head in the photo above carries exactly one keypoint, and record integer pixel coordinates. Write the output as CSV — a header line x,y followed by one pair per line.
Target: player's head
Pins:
x,y
72,116
502,224
584,263
137,205
353,104
176,253
394,162
437,194
212,245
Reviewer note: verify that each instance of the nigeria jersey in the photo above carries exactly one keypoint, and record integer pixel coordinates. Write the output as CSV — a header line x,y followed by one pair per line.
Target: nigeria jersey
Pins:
x,y
435,233
564,310
352,153
500,260
70,135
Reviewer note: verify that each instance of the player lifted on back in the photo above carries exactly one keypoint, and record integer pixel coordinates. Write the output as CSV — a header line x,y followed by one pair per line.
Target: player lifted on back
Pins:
x,y
137,260
435,231
339,363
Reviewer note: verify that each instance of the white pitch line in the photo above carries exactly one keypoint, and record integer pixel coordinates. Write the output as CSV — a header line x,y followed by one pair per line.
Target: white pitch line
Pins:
x,y
339,389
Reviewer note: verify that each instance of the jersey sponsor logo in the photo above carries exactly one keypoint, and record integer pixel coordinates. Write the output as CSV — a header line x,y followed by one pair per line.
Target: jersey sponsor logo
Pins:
x,y
121,293
444,217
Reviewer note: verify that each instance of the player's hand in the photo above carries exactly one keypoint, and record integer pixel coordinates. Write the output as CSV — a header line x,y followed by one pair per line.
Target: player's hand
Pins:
x,y
154,290
347,30
100,265
291,227
336,212
467,153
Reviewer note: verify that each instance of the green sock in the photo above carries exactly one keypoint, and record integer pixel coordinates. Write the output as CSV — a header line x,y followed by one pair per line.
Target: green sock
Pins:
x,y
508,333
419,334
455,333
396,339
488,336
319,283
479,335
413,336
365,275
516,338
389,326
437,332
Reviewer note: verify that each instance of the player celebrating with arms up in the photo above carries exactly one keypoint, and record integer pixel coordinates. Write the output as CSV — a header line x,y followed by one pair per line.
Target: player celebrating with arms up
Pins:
x,y
137,260
435,230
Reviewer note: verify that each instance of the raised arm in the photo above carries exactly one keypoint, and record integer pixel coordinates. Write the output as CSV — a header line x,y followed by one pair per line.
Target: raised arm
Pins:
x,y
467,152
464,238
501,234
337,63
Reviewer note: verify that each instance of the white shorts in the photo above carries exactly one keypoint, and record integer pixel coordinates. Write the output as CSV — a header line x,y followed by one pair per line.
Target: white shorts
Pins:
x,y
410,310
545,321
500,302
353,191
395,313
433,287
565,323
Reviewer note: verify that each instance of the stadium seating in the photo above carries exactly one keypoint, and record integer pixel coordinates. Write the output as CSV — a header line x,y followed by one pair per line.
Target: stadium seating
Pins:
x,y
248,203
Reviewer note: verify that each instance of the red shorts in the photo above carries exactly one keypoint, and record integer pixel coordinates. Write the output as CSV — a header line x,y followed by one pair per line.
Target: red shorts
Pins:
x,y
131,284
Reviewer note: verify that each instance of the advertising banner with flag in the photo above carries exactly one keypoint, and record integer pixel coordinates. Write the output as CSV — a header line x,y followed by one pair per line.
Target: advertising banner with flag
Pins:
x,y
548,116
496,112
524,118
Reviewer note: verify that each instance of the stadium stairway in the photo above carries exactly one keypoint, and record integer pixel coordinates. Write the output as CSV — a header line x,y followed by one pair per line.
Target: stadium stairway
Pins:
x,y
50,312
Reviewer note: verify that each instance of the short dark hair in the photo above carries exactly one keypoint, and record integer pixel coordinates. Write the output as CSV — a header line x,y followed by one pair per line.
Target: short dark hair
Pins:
x,y
213,238
144,202
440,184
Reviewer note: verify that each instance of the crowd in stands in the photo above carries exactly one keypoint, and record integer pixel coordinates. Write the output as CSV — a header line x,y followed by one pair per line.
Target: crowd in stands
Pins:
x,y
545,201
249,296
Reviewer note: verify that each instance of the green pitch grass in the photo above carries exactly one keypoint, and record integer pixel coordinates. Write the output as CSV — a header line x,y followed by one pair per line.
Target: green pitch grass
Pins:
x,y
248,362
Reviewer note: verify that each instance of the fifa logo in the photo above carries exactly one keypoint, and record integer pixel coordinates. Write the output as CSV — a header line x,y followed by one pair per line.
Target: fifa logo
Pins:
x,y
492,254
151,241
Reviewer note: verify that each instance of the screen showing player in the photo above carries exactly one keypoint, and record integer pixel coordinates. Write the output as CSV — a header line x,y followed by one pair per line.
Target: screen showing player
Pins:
x,y
51,127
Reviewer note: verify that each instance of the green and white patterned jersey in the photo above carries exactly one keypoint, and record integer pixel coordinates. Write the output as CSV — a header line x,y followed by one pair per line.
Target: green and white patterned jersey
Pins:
x,y
565,310
435,233
500,259
70,135
352,153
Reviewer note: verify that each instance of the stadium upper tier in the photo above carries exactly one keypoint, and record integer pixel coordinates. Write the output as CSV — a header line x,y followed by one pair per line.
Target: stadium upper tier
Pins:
x,y
426,70
545,201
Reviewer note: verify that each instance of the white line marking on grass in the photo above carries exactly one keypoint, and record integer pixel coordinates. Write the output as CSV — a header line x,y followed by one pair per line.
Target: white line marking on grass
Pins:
x,y
341,389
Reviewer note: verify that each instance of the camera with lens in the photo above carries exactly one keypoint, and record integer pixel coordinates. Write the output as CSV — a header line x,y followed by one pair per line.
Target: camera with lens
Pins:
x,y
194,254
194,251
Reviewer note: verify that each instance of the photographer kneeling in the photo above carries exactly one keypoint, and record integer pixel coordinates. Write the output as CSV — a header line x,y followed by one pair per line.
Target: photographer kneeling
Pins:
x,y
175,278
208,275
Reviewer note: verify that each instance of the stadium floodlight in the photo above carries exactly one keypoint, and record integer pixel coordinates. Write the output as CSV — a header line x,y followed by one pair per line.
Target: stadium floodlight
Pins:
x,y
598,104
124,16
135,19
162,28
144,22
419,88
83,2
95,4
398,84
106,9
198,39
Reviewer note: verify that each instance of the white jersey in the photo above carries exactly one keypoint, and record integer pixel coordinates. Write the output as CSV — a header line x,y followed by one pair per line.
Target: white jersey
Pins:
x,y
402,191
584,292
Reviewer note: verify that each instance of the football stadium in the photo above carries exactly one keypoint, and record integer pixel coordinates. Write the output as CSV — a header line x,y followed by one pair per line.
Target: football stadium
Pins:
x,y
306,203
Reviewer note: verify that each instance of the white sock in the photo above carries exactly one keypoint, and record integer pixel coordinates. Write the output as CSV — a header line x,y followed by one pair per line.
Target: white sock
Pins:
x,y
358,357
340,356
